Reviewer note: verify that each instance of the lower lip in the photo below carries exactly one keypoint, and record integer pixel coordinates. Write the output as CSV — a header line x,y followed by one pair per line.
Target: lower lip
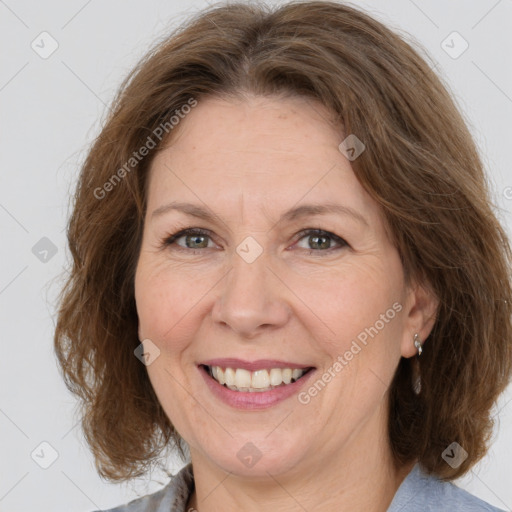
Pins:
x,y
256,399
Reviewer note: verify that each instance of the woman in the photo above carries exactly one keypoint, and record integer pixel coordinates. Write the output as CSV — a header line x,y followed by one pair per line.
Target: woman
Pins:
x,y
285,262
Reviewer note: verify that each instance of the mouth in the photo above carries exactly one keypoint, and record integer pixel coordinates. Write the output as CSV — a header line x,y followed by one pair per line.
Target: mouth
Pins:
x,y
255,381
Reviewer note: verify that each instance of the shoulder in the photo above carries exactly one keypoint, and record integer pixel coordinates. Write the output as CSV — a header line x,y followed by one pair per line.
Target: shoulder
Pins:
x,y
421,491
171,498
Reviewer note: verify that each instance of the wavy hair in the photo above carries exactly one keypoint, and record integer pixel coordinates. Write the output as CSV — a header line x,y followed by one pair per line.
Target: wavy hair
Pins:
x,y
420,165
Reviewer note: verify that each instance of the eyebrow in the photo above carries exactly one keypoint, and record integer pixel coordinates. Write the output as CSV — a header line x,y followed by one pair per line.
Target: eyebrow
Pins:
x,y
290,215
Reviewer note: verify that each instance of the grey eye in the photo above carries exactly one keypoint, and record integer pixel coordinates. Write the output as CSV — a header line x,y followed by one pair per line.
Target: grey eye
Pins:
x,y
194,241
319,240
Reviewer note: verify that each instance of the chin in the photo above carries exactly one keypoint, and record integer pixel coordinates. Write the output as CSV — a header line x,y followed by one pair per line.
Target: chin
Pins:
x,y
258,457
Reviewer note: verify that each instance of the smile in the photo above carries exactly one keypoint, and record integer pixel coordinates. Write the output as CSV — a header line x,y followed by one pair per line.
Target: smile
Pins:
x,y
254,385
242,380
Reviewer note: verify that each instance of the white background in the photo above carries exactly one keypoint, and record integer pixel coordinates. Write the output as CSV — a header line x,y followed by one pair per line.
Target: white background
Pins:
x,y
51,110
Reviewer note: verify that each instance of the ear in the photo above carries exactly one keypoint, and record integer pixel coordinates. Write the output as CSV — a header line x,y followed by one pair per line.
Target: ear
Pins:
x,y
139,331
420,313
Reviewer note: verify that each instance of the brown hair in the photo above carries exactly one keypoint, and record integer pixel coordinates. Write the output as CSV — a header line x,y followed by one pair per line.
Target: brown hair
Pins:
x,y
420,165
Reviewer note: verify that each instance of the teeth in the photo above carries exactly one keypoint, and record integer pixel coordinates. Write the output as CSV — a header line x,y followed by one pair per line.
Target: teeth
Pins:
x,y
242,378
260,379
229,375
276,377
239,379
287,375
296,374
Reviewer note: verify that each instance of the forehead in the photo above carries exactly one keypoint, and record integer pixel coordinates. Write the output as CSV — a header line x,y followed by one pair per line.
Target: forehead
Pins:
x,y
269,153
292,128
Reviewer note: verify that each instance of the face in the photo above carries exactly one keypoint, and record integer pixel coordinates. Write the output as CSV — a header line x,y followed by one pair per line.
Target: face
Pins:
x,y
262,291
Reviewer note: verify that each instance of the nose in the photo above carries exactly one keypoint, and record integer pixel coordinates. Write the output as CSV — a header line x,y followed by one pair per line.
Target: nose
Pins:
x,y
251,299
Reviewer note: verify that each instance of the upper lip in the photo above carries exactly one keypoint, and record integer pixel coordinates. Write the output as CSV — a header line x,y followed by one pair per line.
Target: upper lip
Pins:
x,y
259,364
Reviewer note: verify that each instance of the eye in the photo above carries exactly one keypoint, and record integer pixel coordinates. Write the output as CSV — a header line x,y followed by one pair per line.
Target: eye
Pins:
x,y
320,240
193,238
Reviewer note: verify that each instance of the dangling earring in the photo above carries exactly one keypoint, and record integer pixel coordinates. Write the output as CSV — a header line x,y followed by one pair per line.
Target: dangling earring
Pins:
x,y
417,343
416,377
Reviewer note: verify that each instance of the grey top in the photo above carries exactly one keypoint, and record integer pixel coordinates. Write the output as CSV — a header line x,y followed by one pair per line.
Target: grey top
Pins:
x,y
419,492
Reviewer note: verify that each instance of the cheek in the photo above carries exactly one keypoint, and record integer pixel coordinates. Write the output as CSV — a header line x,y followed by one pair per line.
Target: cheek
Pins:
x,y
162,302
335,304
165,303
172,303
352,299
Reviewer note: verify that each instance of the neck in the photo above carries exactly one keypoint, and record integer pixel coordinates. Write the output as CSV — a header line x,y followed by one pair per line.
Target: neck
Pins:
x,y
361,477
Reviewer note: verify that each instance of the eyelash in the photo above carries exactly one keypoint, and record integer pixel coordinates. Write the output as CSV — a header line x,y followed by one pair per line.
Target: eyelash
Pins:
x,y
170,240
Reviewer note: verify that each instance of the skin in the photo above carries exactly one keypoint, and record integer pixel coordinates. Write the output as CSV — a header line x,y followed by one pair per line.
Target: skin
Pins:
x,y
248,160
